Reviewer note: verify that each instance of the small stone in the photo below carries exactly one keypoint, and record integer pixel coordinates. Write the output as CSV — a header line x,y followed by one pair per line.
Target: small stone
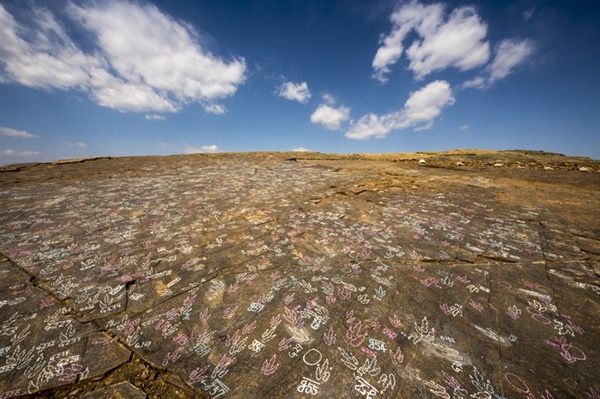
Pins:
x,y
422,162
584,169
498,165
548,168
460,164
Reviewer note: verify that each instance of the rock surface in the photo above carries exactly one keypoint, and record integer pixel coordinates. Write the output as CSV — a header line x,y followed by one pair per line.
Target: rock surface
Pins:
x,y
306,275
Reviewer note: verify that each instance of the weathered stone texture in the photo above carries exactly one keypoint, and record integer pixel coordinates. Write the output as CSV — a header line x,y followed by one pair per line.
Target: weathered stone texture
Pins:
x,y
252,276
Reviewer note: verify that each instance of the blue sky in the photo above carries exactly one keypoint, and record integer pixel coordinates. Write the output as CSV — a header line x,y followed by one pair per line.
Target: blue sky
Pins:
x,y
115,78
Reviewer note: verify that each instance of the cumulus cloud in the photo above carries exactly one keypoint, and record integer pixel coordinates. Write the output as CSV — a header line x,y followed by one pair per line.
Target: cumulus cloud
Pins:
x,y
41,55
330,118
456,40
216,109
477,82
424,105
372,125
328,99
301,149
204,149
294,91
142,59
509,54
419,112
22,134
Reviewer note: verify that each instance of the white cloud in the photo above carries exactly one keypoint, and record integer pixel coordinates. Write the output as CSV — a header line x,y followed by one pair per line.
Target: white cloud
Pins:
x,y
478,82
216,109
508,55
328,99
464,127
419,112
143,60
456,41
11,152
155,117
301,149
49,60
78,144
372,125
424,105
8,132
329,117
294,91
204,149
125,96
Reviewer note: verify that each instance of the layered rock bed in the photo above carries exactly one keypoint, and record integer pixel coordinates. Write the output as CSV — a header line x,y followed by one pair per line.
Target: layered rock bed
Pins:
x,y
466,274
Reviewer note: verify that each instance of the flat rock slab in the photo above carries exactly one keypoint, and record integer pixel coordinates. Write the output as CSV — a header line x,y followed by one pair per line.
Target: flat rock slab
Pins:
x,y
256,276
123,390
